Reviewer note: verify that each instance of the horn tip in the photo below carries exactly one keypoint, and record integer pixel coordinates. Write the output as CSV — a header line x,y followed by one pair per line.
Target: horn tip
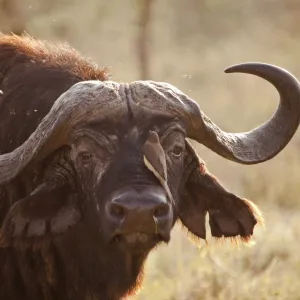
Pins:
x,y
244,67
250,67
234,68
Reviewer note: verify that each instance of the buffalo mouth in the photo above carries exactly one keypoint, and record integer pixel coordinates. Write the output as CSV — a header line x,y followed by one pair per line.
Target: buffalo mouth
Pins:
x,y
139,241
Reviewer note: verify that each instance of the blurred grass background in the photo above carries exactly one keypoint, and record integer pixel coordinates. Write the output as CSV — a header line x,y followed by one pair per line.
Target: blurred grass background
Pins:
x,y
189,44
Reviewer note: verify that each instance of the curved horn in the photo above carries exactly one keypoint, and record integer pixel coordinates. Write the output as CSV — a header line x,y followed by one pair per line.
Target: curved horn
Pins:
x,y
255,146
81,103
267,140
101,100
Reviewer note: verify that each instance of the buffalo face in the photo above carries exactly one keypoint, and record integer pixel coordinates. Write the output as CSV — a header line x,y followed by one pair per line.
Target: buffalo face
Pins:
x,y
125,198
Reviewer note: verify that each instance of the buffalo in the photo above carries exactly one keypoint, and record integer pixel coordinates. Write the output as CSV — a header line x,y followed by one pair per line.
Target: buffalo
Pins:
x,y
95,173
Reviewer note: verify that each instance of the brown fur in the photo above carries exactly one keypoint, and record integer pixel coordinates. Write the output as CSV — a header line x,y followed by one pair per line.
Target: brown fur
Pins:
x,y
33,74
52,55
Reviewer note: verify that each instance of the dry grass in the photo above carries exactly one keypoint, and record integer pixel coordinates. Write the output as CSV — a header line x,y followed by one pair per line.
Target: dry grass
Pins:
x,y
192,42
270,269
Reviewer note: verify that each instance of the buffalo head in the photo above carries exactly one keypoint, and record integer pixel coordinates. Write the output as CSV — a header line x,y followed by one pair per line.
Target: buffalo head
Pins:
x,y
115,168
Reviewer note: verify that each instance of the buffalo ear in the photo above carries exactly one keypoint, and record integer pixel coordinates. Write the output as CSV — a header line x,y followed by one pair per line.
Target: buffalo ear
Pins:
x,y
43,214
229,215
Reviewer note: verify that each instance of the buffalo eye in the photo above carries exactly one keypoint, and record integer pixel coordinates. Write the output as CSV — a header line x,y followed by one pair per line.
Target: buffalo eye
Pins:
x,y
85,156
177,151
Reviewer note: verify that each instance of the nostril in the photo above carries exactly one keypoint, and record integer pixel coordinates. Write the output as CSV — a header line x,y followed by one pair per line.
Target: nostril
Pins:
x,y
117,210
161,211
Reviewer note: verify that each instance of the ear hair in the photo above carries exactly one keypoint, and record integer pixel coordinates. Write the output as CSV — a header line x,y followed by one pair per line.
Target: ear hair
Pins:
x,y
229,215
